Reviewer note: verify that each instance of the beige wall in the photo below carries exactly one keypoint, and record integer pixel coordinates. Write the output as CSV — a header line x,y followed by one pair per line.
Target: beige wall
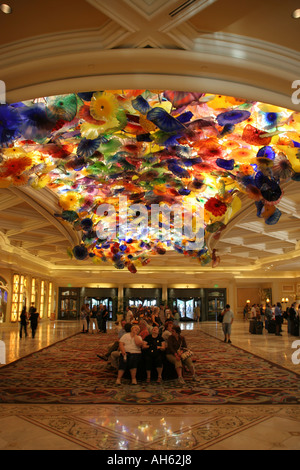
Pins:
x,y
247,293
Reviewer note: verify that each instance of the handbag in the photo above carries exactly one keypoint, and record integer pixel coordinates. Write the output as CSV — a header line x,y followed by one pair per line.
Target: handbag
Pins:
x,y
220,318
186,354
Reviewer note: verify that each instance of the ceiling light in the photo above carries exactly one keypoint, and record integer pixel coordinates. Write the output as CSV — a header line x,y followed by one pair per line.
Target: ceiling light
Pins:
x,y
5,8
296,13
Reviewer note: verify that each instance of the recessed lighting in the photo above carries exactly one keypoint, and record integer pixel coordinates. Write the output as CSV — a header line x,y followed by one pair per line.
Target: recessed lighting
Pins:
x,y
5,8
296,13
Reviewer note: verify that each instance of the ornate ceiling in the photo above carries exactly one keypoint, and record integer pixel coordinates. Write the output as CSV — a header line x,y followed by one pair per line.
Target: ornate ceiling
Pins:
x,y
248,49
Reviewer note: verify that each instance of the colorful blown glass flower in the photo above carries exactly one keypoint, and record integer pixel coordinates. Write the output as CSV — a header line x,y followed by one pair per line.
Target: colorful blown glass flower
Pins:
x,y
115,157
10,123
215,207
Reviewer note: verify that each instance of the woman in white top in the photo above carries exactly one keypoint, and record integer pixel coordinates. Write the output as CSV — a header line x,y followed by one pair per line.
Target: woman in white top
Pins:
x,y
130,346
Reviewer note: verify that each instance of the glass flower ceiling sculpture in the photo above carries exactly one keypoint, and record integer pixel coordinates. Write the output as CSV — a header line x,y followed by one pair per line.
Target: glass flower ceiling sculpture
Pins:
x,y
151,147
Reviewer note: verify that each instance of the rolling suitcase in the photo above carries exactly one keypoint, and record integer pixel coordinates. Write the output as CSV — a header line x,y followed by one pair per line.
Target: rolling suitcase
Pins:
x,y
252,327
272,326
295,327
259,328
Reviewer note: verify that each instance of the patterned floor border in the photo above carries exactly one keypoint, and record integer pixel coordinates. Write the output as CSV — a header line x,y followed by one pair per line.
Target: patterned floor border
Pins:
x,y
124,427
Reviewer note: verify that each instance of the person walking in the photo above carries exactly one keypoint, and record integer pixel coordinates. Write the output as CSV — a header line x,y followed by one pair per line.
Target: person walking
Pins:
x,y
228,318
23,322
33,321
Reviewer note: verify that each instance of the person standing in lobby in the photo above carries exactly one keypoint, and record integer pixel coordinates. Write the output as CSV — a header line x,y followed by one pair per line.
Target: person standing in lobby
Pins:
x,y
228,318
83,321
94,321
278,318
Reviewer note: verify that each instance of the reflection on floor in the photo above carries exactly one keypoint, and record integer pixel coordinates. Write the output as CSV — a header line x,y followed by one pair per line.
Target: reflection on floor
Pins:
x,y
161,427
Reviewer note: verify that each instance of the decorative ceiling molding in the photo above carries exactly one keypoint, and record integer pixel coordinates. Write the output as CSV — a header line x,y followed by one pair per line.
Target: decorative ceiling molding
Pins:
x,y
43,202
237,46
157,15
56,44
147,8
146,68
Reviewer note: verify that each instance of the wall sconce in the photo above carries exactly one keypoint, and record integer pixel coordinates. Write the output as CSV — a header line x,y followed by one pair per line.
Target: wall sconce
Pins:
x,y
247,301
267,300
284,300
7,9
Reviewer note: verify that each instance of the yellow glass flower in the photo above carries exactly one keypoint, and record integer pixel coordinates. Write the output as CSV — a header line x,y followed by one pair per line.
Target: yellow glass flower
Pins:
x,y
41,181
103,106
92,131
14,152
69,201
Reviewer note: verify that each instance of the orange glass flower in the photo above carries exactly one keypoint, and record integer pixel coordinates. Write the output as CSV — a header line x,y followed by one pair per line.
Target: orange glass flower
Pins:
x,y
215,207
15,166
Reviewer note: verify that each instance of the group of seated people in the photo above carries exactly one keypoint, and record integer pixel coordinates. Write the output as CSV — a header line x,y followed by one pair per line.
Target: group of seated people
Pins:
x,y
149,348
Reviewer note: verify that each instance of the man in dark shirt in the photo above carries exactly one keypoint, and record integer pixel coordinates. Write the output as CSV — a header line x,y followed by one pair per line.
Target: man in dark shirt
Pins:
x,y
33,320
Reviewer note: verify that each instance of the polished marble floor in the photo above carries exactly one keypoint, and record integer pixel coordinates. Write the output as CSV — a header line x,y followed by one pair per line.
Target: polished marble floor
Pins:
x,y
161,427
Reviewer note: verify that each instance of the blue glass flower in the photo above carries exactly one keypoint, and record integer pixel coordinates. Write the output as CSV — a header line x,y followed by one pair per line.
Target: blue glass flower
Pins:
x,y
88,147
260,179
185,117
36,122
86,96
273,219
270,191
227,129
141,105
86,224
248,180
164,120
191,161
10,123
80,252
178,170
259,208
266,152
184,191
271,119
225,164
233,117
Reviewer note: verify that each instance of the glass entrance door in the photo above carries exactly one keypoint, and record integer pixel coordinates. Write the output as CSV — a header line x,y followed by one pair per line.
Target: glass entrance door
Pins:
x,y
68,304
216,300
187,308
